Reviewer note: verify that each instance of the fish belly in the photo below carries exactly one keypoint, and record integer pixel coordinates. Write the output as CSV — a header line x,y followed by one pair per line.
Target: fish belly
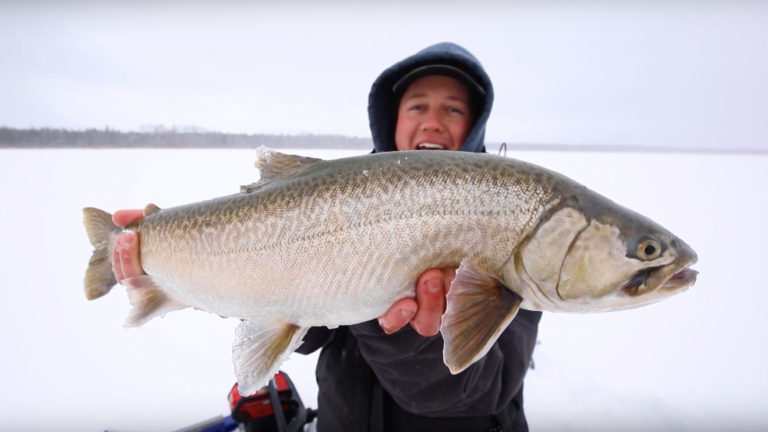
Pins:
x,y
344,276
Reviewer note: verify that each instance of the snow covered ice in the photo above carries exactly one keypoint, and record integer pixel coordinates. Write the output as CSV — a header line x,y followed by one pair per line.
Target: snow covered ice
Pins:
x,y
692,362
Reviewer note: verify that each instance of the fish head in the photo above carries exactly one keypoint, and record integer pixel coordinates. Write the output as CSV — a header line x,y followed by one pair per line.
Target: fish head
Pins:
x,y
606,259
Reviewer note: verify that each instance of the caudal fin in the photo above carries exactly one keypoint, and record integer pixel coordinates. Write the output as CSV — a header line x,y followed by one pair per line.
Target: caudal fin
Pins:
x,y
99,278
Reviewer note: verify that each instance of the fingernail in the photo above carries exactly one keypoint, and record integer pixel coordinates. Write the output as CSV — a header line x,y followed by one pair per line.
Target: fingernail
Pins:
x,y
125,242
383,327
434,285
407,314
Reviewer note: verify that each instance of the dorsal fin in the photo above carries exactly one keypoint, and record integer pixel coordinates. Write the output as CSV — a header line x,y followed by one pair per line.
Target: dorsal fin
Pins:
x,y
150,208
274,165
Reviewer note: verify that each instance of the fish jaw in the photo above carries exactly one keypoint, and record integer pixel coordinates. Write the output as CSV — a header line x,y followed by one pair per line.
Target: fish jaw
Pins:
x,y
666,280
657,282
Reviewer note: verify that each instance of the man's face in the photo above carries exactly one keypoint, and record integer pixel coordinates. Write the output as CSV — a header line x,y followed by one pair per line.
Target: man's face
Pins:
x,y
434,114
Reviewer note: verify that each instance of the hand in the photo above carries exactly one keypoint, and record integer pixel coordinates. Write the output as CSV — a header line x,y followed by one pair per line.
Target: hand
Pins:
x,y
425,311
125,254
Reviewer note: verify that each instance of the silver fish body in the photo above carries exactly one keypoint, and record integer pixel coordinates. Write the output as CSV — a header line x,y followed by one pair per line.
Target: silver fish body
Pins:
x,y
328,243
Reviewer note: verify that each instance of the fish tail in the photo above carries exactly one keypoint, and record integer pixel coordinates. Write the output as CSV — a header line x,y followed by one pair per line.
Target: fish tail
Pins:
x,y
99,277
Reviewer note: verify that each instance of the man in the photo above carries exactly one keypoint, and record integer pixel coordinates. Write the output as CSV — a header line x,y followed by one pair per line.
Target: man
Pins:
x,y
385,375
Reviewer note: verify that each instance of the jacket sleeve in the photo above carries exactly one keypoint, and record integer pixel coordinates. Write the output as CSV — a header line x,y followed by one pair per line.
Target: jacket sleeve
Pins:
x,y
411,369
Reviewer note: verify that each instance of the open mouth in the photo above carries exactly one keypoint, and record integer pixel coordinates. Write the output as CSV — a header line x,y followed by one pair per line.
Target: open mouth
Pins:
x,y
681,279
670,278
429,146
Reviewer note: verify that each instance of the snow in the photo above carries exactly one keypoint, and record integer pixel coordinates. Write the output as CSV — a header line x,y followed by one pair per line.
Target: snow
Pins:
x,y
692,362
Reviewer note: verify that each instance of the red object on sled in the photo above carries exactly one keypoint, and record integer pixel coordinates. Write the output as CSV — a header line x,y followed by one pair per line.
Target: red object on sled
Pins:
x,y
258,405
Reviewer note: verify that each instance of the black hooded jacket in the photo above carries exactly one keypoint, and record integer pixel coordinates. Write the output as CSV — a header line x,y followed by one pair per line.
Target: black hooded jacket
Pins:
x,y
371,381
383,103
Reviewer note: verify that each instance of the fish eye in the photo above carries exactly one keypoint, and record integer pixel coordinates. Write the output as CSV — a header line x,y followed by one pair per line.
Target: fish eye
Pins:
x,y
648,249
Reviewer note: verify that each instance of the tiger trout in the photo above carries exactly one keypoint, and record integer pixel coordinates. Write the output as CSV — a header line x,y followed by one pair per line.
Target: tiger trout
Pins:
x,y
337,242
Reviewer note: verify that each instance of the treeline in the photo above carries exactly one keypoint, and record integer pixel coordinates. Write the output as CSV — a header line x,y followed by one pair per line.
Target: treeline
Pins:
x,y
168,138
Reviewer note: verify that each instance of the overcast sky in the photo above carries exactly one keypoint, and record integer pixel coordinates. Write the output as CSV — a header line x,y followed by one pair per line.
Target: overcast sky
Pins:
x,y
661,74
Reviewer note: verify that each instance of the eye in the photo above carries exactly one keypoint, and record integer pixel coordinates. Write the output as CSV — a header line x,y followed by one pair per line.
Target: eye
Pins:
x,y
648,249
456,110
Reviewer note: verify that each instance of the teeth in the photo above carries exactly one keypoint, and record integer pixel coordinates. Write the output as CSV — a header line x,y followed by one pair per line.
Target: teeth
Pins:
x,y
430,146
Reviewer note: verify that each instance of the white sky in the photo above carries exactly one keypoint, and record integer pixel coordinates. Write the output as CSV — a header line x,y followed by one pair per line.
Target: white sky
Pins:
x,y
662,74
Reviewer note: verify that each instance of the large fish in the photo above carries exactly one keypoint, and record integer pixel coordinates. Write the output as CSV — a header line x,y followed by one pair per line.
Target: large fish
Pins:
x,y
337,242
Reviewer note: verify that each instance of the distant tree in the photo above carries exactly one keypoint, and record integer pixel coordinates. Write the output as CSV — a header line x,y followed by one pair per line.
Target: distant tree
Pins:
x,y
164,137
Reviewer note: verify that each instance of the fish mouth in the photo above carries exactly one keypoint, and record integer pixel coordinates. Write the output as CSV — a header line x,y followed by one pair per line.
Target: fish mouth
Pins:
x,y
666,280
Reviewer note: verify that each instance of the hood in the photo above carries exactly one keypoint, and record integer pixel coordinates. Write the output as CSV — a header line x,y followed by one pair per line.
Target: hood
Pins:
x,y
382,102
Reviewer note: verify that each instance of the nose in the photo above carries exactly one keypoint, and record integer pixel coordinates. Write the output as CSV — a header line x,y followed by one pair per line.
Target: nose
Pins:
x,y
432,122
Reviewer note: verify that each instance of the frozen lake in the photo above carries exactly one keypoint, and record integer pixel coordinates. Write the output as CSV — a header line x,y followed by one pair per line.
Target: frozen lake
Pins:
x,y
693,362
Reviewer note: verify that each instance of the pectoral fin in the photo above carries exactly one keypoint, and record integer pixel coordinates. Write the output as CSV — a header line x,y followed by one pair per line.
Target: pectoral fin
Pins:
x,y
148,300
259,350
479,308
